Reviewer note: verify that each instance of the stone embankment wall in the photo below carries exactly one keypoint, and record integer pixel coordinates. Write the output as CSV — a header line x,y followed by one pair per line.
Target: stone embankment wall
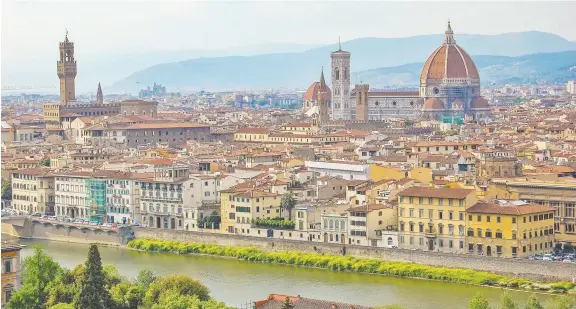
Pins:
x,y
535,270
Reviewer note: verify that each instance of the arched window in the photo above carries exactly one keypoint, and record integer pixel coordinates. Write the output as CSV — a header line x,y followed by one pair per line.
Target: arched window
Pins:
x,y
390,241
325,223
337,224
331,224
337,74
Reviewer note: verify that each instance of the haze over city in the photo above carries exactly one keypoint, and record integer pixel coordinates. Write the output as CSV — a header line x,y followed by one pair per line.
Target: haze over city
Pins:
x,y
170,31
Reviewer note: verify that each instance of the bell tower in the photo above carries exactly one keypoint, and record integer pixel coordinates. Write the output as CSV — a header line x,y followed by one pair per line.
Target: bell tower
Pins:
x,y
66,67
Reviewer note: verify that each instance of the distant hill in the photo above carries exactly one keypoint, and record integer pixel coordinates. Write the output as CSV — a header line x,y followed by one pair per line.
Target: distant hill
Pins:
x,y
544,67
299,69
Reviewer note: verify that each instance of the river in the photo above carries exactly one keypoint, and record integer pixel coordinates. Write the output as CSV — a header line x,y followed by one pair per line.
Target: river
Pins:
x,y
238,282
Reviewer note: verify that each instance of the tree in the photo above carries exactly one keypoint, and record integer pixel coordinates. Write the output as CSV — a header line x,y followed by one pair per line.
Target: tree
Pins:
x,y
93,292
145,278
533,303
213,220
179,284
45,162
506,302
62,290
287,304
560,302
6,189
479,302
287,203
62,306
37,272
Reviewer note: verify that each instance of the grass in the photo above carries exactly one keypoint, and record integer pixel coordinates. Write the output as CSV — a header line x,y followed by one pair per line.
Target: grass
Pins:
x,y
348,263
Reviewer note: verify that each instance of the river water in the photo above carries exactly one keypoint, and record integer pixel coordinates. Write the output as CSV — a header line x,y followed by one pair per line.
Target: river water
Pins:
x,y
239,282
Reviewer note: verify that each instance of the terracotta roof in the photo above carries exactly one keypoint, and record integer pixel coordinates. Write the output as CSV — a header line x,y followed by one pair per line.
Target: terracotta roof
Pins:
x,y
437,192
35,171
508,208
393,94
479,103
312,93
166,125
371,207
433,104
298,124
449,61
253,130
275,301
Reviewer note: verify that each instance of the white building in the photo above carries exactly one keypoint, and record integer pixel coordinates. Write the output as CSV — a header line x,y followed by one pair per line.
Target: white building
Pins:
x,y
346,170
571,86
334,228
33,190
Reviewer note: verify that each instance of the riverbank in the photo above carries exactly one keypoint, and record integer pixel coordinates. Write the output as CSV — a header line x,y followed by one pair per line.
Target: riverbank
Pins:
x,y
348,263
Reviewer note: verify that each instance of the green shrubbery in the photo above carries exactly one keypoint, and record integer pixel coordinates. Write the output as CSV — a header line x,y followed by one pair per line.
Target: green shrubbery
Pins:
x,y
277,223
344,263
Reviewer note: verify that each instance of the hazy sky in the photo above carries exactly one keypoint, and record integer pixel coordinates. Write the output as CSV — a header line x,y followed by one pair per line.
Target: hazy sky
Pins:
x,y
31,28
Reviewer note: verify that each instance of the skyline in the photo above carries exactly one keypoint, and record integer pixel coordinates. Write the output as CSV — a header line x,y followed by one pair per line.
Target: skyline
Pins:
x,y
103,30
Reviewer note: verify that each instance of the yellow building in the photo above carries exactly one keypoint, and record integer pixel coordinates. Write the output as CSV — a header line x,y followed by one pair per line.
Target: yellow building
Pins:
x,y
422,174
558,194
251,135
238,208
433,219
10,270
298,128
378,173
509,229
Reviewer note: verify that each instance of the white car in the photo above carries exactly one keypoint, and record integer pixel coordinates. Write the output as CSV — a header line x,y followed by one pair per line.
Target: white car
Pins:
x,y
547,257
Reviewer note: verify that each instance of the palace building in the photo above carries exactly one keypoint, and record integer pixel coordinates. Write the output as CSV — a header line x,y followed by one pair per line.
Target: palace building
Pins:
x,y
449,90
58,117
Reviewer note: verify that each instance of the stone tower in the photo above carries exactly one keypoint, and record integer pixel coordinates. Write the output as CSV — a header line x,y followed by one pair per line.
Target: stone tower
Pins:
x,y
67,72
341,108
362,102
323,96
99,95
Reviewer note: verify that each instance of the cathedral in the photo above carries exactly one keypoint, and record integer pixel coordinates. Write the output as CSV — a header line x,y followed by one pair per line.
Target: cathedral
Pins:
x,y
449,91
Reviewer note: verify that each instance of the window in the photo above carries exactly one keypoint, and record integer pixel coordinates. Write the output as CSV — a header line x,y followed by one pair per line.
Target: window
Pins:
x,y
487,218
479,232
450,202
451,215
498,234
498,219
8,265
461,203
8,292
420,213
411,213
513,220
440,202
420,200
479,219
421,227
440,215
401,212
430,213
470,218
488,233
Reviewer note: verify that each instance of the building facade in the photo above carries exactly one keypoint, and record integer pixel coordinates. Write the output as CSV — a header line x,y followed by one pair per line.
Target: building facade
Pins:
x,y
10,271
434,219
33,190
509,229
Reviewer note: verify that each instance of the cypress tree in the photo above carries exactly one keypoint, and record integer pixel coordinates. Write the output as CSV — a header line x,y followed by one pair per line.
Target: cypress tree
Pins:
x,y
93,293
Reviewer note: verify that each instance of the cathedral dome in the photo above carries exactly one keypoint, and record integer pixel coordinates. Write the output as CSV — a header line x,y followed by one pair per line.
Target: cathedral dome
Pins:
x,y
479,103
451,62
312,92
433,104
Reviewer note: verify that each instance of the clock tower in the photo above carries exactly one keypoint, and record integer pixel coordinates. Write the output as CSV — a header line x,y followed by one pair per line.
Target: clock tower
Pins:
x,y
66,67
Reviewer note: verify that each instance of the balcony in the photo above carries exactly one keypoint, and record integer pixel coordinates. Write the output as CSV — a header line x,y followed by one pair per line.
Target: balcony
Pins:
x,y
173,199
431,233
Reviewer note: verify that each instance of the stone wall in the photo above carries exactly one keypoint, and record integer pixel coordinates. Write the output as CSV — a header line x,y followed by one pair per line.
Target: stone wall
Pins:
x,y
536,270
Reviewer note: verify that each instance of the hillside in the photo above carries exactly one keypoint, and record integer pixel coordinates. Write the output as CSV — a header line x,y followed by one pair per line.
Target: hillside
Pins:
x,y
545,67
299,69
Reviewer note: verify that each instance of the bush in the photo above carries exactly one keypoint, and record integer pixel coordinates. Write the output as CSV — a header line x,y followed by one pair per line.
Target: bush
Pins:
x,y
277,223
346,263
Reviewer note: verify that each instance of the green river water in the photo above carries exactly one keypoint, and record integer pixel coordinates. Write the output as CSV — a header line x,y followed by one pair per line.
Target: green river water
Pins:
x,y
238,282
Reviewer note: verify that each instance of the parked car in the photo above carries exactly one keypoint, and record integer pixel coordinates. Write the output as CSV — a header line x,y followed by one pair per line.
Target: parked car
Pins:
x,y
547,257
37,215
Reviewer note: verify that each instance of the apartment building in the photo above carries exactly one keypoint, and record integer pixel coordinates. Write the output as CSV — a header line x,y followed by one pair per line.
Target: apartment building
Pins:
x,y
434,219
443,147
201,197
366,223
334,228
33,190
560,194
161,196
238,208
344,169
509,229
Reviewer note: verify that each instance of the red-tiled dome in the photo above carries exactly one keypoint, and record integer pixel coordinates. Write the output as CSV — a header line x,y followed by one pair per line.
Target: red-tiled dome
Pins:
x,y
433,104
312,92
479,103
449,61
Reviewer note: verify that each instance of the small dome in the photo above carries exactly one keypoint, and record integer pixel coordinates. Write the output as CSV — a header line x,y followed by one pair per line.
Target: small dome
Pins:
x,y
479,103
312,93
433,104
